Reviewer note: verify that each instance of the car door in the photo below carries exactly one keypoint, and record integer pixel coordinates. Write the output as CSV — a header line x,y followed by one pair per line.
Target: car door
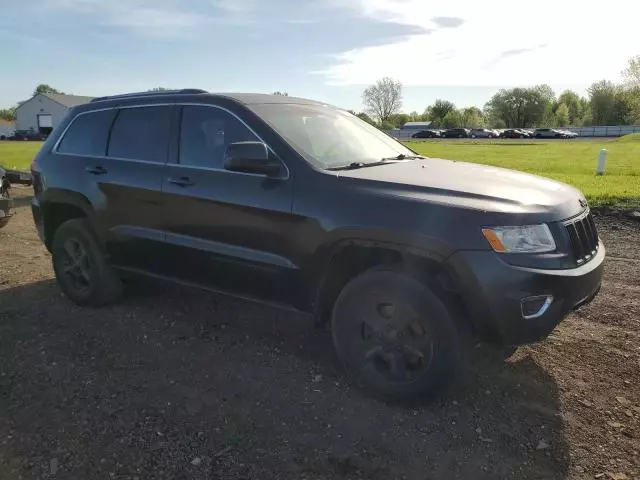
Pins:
x,y
119,156
227,230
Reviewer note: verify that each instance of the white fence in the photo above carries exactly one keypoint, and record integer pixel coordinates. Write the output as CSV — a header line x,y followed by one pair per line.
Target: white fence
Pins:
x,y
600,131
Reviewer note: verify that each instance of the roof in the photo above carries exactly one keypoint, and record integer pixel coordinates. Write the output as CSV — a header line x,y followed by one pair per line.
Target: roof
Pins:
x,y
417,124
68,100
261,98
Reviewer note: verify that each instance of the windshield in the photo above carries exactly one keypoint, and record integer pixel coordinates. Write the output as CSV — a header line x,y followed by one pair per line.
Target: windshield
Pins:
x,y
328,137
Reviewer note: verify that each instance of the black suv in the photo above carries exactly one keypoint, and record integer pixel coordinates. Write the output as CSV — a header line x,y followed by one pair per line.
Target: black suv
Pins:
x,y
298,203
456,133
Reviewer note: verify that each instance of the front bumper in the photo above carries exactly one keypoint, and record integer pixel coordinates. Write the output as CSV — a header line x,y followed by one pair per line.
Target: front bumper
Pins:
x,y
493,291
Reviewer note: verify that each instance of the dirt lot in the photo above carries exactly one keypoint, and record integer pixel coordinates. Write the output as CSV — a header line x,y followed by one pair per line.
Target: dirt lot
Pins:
x,y
181,384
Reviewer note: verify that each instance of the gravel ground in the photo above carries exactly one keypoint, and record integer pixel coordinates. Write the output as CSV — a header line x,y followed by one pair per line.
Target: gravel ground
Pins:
x,y
180,384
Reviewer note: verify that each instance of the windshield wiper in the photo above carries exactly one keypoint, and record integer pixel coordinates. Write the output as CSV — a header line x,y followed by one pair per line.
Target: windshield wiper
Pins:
x,y
383,161
402,156
355,165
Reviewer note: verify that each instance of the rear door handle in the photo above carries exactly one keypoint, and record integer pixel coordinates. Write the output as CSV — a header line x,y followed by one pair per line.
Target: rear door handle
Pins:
x,y
181,181
97,170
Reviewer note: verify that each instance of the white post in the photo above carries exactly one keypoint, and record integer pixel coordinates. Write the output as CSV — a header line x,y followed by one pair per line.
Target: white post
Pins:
x,y
602,160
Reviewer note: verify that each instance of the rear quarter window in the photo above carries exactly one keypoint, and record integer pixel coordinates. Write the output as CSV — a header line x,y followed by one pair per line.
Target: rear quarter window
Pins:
x,y
87,134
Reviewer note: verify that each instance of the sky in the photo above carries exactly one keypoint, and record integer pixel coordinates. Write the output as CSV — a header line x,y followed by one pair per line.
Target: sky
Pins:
x,y
328,50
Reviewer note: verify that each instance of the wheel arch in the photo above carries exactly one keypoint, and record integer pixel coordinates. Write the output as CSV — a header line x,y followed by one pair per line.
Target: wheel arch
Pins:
x,y
61,205
347,258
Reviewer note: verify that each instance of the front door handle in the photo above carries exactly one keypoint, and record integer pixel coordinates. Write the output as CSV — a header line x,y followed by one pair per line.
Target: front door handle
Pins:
x,y
181,181
97,170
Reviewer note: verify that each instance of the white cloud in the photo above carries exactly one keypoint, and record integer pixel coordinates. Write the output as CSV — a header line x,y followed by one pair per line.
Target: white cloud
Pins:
x,y
495,43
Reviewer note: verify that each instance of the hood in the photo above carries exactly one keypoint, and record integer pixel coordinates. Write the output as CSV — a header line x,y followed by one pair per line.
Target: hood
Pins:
x,y
474,186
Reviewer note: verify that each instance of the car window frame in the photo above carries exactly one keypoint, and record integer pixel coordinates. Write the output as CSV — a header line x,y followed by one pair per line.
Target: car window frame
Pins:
x,y
173,154
175,162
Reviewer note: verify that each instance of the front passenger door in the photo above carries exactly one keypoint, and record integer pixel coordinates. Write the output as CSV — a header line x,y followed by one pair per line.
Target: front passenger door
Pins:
x,y
227,230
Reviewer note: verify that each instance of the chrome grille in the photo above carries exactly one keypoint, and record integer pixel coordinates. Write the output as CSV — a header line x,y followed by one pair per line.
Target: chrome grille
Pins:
x,y
584,238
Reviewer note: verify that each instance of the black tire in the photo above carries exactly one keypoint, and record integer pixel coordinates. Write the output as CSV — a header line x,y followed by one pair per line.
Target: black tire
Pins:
x,y
80,266
4,221
421,339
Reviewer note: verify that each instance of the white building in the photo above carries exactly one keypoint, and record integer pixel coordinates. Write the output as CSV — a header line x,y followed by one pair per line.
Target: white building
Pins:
x,y
45,110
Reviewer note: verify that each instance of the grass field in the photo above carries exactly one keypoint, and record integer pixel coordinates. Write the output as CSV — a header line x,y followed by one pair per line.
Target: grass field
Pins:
x,y
16,154
572,162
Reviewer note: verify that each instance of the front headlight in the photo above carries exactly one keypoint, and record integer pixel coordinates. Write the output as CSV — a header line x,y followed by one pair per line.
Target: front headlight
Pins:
x,y
525,239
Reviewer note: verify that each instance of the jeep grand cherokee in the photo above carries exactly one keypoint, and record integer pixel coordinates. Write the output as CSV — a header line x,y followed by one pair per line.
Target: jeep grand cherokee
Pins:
x,y
298,203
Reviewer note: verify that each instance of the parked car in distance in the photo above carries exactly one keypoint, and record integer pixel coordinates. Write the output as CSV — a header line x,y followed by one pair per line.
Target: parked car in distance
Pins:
x,y
567,134
427,134
456,133
27,135
553,133
5,134
293,202
515,133
483,133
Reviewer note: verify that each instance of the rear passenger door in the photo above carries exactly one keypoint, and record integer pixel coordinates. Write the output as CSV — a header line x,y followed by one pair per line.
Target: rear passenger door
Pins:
x,y
118,157
132,185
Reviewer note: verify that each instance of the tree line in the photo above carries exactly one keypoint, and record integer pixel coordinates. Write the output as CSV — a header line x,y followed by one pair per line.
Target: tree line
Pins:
x,y
607,103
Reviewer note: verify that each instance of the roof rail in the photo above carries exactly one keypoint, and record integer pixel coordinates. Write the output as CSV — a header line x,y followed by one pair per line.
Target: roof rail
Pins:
x,y
150,94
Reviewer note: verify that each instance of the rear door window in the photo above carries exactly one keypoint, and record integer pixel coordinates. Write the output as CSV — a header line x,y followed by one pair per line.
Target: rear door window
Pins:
x,y
141,133
88,134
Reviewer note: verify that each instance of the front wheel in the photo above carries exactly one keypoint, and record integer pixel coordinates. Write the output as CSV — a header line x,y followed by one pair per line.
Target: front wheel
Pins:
x,y
394,336
81,267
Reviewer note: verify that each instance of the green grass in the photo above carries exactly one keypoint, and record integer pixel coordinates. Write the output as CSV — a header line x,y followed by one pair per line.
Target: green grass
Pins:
x,y
632,137
17,154
572,162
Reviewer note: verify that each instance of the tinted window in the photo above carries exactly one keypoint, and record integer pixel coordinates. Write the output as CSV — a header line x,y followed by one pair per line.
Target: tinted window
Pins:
x,y
205,133
141,134
88,134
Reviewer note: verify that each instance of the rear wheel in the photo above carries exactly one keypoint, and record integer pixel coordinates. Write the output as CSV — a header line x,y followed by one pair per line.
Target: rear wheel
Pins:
x,y
80,266
394,336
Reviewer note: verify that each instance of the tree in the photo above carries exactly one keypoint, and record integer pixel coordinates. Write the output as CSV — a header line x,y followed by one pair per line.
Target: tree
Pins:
x,y
283,94
562,115
439,110
453,119
473,117
627,106
383,99
399,119
575,104
44,88
521,107
386,125
415,117
631,74
8,114
602,97
366,118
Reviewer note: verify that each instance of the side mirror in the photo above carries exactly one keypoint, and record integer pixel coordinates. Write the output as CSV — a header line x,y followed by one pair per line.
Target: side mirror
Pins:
x,y
250,157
